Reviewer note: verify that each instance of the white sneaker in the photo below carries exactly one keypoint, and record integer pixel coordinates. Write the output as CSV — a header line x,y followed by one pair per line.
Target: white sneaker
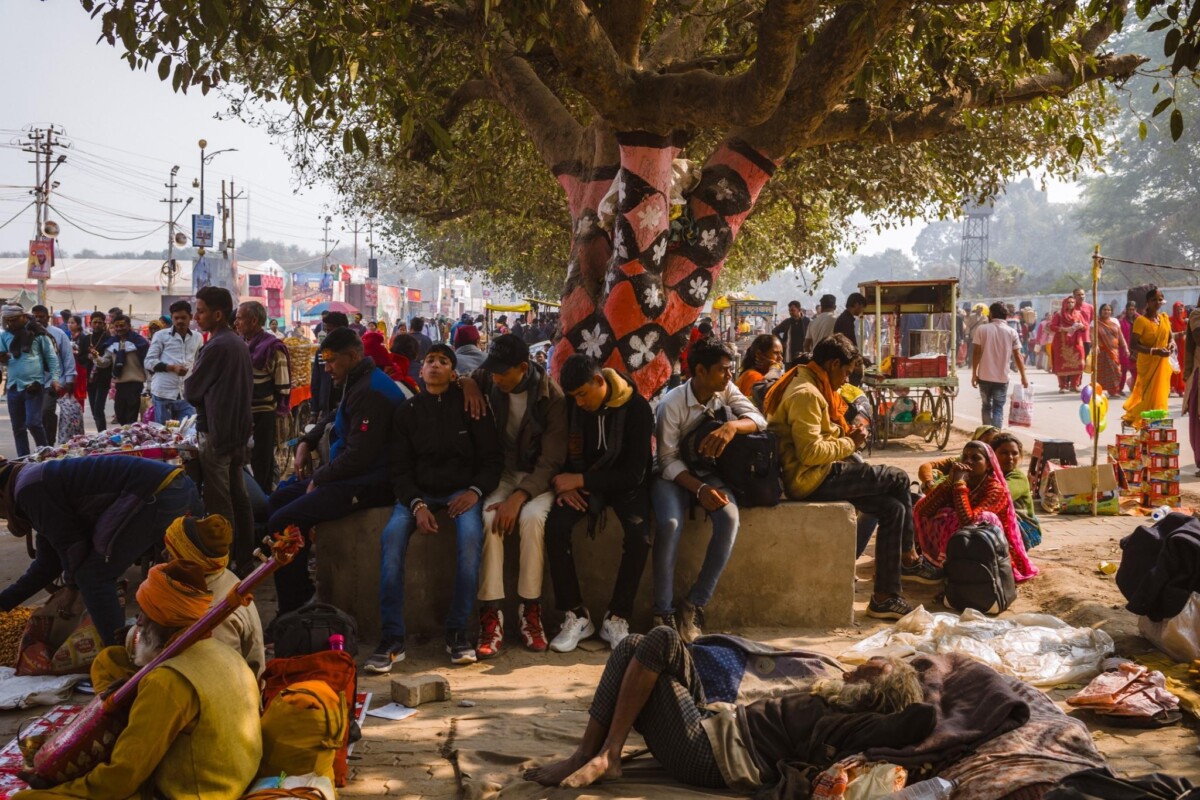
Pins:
x,y
574,630
613,630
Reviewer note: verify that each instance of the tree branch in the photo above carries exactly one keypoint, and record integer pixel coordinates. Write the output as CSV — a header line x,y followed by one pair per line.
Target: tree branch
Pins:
x,y
471,91
624,21
555,133
860,122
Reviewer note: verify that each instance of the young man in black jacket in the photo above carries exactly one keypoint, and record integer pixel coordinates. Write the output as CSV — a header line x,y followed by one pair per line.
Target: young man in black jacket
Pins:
x,y
609,430
356,476
460,463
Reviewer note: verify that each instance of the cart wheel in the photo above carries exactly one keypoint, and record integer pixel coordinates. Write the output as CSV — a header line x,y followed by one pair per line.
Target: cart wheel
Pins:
x,y
942,417
927,404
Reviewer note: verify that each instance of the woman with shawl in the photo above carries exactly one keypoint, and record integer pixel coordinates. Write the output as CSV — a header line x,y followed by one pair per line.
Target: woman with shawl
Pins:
x,y
974,492
931,473
1110,353
1069,333
1129,365
1008,452
763,360
390,363
1152,343
1179,321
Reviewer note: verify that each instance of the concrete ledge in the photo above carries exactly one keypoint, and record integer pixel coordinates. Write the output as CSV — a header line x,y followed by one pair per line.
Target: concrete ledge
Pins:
x,y
792,566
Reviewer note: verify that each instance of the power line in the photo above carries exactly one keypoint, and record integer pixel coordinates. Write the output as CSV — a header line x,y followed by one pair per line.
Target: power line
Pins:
x,y
1104,258
101,235
19,213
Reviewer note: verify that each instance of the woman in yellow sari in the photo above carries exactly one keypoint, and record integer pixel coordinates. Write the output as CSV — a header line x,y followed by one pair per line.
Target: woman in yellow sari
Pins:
x,y
1151,340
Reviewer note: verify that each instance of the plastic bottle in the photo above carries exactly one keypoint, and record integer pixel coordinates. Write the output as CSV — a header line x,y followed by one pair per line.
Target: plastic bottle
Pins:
x,y
932,789
1160,512
337,642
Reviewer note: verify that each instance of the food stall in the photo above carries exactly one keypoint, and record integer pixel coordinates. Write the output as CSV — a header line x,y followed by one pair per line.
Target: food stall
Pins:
x,y
741,317
908,334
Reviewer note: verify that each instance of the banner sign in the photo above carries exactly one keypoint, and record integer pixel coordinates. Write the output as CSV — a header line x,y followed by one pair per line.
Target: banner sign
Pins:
x,y
203,229
41,259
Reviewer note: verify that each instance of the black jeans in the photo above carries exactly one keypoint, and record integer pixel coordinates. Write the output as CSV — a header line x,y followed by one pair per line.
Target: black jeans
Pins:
x,y
50,417
98,385
262,456
128,402
293,504
633,510
883,493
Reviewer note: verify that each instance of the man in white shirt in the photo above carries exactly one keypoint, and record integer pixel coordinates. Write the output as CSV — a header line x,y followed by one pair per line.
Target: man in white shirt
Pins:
x,y
65,377
171,356
822,324
676,486
993,344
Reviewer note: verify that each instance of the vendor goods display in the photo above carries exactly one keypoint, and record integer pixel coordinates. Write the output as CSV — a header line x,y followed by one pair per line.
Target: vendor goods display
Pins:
x,y
1148,458
12,628
300,355
144,439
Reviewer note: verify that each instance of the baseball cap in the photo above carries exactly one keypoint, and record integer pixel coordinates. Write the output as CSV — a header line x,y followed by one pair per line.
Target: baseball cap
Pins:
x,y
507,351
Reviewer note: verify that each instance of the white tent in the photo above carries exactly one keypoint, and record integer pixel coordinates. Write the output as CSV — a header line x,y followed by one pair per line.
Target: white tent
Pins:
x,y
86,284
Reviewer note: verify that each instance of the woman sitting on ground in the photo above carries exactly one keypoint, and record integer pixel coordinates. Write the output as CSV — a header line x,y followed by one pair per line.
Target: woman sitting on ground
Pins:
x,y
1008,453
974,492
763,360
931,472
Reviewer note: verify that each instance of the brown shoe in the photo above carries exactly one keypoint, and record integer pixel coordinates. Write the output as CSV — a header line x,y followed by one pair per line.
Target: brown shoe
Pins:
x,y
690,620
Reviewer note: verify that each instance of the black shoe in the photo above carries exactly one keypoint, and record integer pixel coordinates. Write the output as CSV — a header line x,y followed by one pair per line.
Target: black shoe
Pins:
x,y
895,607
389,653
666,620
923,572
459,647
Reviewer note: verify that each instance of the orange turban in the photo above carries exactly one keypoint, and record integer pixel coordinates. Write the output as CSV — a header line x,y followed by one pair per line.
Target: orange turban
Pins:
x,y
205,541
174,594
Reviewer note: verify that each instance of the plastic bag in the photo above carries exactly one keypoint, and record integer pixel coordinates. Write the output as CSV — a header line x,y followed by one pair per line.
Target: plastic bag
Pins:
x,y
1020,411
70,418
60,638
1179,636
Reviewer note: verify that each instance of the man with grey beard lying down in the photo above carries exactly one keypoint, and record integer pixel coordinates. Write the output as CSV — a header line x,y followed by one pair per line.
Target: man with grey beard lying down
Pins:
x,y
650,683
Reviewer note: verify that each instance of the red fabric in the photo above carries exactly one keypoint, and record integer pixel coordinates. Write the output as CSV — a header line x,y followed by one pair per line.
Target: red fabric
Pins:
x,y
334,667
1179,322
373,347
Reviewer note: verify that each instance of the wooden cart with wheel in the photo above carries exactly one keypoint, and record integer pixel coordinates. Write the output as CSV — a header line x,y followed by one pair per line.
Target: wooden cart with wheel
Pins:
x,y
908,334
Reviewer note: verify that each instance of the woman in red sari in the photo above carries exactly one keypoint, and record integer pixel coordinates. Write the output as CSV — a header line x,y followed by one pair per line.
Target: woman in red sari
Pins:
x,y
1069,332
1178,332
1110,353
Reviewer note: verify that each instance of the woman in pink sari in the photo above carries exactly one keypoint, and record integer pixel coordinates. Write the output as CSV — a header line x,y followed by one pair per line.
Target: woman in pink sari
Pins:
x,y
1069,333
974,492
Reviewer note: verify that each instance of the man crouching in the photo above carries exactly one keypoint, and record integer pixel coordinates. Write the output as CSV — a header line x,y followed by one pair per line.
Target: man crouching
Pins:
x,y
194,729
650,683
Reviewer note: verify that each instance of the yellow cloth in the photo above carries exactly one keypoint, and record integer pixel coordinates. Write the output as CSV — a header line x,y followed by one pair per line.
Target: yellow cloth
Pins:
x,y
619,389
1179,679
242,630
837,405
193,732
303,727
809,442
169,596
1153,387
205,541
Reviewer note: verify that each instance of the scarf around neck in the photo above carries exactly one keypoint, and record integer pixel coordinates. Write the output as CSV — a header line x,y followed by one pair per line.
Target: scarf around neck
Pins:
x,y
837,404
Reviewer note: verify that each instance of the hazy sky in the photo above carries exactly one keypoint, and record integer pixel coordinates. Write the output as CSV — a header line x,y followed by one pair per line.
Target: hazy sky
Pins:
x,y
128,129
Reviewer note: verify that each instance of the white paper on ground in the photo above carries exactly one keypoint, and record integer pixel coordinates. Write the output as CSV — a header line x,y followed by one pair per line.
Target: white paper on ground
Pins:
x,y
393,711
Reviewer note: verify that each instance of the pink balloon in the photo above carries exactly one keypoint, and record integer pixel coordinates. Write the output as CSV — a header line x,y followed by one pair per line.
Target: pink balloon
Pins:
x,y
1091,430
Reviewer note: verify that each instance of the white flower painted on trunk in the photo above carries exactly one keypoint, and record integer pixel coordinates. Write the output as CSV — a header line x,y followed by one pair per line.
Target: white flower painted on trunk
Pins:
x,y
593,342
621,249
642,352
698,288
708,240
650,217
660,250
723,191
652,296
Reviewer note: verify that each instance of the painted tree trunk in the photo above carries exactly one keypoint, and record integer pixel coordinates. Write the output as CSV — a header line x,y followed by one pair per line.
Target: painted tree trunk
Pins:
x,y
632,294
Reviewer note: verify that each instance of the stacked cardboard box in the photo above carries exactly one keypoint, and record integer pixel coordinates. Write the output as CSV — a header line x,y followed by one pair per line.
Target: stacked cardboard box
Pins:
x,y
1149,462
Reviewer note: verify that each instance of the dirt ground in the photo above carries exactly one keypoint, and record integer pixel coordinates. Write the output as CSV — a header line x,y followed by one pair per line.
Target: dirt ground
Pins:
x,y
527,704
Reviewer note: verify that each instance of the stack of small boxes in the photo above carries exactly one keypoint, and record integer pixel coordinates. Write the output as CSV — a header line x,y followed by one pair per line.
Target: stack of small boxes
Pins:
x,y
1149,461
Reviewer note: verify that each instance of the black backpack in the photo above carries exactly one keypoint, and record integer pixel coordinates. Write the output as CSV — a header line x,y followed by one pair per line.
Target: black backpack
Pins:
x,y
978,570
307,630
749,466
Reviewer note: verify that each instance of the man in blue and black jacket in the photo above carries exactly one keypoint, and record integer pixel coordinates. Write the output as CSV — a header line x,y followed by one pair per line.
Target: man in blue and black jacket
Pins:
x,y
356,476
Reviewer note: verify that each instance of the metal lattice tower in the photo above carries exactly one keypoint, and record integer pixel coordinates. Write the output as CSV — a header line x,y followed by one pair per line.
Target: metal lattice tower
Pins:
x,y
972,266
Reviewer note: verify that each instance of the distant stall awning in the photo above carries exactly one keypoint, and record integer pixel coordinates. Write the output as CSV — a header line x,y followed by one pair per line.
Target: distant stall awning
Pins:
x,y
517,308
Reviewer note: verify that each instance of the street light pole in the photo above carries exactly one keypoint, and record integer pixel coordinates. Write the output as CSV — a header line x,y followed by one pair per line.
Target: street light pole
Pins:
x,y
203,144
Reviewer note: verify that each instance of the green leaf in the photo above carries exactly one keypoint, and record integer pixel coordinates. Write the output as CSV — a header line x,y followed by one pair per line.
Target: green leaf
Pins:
x,y
347,142
1037,41
164,68
1162,106
441,139
1075,147
1171,42
1143,129
1176,125
360,139
1158,25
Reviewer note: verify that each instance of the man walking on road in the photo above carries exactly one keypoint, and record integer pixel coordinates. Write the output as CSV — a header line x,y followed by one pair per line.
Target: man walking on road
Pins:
x,y
1088,312
792,331
993,343
172,353
64,375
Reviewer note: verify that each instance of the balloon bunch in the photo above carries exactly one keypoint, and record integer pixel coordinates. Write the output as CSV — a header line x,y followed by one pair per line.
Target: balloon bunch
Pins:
x,y
1093,412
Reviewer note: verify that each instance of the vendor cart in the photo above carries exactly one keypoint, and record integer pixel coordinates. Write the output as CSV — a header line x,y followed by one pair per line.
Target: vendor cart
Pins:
x,y
741,317
908,338
291,427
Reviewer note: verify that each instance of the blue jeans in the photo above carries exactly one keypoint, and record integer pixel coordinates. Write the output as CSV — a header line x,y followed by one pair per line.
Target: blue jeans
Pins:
x,y
25,412
165,410
671,503
994,395
394,550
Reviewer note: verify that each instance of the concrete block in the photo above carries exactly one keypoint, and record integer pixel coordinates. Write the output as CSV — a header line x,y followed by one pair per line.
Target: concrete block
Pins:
x,y
792,566
413,690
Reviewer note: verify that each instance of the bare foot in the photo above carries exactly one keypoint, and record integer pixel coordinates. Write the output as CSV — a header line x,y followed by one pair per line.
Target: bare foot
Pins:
x,y
556,773
605,766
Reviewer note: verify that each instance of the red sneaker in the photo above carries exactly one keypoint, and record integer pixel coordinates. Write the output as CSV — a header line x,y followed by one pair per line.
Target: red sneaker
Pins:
x,y
491,632
531,627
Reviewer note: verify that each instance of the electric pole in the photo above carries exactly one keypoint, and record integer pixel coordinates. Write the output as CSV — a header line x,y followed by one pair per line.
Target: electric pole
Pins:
x,y
169,266
43,144
370,240
355,230
325,257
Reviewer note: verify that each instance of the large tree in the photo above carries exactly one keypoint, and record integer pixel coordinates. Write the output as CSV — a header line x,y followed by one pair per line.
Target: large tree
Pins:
x,y
800,112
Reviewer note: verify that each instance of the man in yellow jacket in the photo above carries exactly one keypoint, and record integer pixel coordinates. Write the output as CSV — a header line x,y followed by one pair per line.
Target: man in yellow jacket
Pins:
x,y
806,412
194,729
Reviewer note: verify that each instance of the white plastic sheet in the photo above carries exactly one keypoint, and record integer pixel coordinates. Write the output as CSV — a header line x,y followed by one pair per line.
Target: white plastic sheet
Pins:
x,y
1037,648
1179,636
33,690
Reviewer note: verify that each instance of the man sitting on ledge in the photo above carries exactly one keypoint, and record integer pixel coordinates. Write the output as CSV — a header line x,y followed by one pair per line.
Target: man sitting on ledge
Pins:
x,y
650,682
808,415
194,729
